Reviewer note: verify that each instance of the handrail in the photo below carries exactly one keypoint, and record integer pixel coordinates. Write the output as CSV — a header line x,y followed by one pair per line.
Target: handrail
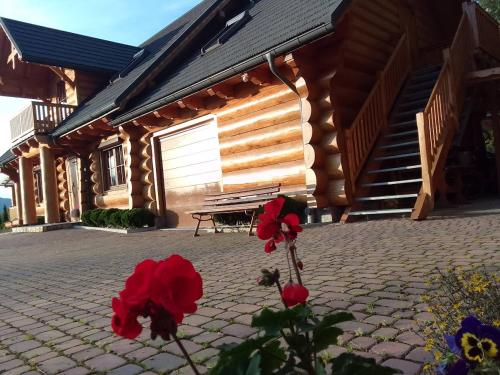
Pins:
x,y
439,120
373,115
487,32
39,118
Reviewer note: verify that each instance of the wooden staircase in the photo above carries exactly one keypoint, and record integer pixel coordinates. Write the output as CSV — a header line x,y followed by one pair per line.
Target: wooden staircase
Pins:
x,y
392,178
397,158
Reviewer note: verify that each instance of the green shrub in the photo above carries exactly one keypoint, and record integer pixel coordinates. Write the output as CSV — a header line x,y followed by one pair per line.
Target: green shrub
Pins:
x,y
85,218
237,218
40,220
105,215
115,219
137,218
94,217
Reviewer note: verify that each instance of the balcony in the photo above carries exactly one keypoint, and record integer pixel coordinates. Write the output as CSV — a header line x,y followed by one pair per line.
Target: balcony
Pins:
x,y
38,118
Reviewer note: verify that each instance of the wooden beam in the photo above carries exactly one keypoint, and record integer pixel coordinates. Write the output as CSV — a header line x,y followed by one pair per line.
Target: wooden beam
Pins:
x,y
12,56
221,90
484,75
495,120
62,74
169,112
259,77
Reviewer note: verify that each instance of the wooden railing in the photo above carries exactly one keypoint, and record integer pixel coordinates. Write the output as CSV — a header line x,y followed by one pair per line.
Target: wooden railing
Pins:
x,y
485,29
39,118
373,116
439,120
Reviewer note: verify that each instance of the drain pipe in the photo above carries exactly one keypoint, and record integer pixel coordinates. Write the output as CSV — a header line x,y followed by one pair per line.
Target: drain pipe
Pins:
x,y
310,213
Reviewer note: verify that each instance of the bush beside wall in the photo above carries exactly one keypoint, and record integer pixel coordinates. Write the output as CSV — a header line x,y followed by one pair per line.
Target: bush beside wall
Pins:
x,y
116,218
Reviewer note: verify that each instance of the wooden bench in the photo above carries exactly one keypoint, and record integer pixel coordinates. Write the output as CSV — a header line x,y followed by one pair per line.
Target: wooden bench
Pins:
x,y
247,201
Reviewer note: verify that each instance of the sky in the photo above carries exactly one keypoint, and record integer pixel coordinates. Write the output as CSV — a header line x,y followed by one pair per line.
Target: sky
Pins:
x,y
124,21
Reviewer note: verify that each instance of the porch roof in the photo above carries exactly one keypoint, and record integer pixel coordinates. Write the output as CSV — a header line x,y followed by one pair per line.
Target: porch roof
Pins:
x,y
6,157
47,46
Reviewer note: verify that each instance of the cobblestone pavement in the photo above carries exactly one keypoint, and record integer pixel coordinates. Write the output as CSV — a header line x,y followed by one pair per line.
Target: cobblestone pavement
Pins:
x,y
56,289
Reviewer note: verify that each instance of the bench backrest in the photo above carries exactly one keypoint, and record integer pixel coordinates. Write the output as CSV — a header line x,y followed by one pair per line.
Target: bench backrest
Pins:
x,y
254,195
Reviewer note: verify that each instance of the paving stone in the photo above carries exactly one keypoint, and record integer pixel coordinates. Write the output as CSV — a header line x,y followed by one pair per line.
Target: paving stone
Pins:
x,y
56,365
411,338
239,330
87,354
393,349
11,364
17,371
363,343
164,362
123,346
142,353
204,355
407,367
244,308
356,327
385,333
105,362
190,346
76,371
420,355
24,346
129,369
226,340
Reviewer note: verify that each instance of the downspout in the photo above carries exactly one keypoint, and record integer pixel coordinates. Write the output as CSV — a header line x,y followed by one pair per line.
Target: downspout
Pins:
x,y
274,70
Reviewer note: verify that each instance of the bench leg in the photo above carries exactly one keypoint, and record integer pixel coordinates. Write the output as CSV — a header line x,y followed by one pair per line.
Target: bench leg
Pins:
x,y
215,226
252,222
197,227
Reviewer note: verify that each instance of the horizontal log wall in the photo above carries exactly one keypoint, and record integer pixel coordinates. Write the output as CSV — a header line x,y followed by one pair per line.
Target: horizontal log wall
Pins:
x,y
260,140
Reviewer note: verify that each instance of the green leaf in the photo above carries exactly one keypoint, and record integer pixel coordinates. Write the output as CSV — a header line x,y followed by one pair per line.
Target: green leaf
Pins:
x,y
273,357
235,360
324,337
254,366
351,364
320,368
274,321
325,334
332,319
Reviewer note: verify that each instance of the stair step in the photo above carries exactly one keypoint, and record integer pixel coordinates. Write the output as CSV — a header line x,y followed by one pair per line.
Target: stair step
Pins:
x,y
399,156
419,103
427,69
382,212
397,145
402,134
413,112
405,168
421,86
389,183
403,123
414,95
386,197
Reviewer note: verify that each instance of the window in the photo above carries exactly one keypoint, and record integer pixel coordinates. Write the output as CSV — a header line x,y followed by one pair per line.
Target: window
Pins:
x,y
232,26
113,167
38,186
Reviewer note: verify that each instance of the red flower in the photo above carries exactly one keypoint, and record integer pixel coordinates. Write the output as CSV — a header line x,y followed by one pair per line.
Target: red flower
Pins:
x,y
269,226
293,294
177,287
124,321
270,246
272,227
137,290
163,291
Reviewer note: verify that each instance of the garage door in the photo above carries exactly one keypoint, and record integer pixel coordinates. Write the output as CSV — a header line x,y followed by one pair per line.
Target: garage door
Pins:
x,y
191,168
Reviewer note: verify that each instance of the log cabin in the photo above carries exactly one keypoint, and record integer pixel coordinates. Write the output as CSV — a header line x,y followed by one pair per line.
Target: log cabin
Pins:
x,y
359,108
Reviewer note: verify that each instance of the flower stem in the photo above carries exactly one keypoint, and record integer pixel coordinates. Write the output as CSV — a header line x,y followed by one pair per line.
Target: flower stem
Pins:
x,y
186,355
294,262
280,290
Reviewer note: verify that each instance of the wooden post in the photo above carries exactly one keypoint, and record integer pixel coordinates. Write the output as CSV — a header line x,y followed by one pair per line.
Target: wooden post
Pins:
x,y
425,158
470,10
49,185
19,203
495,123
27,190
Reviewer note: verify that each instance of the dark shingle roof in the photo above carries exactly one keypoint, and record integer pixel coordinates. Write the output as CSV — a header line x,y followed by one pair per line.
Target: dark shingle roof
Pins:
x,y
43,45
6,157
273,23
158,47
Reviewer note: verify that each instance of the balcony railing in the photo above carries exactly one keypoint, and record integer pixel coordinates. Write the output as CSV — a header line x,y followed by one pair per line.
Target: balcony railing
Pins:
x,y
38,118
